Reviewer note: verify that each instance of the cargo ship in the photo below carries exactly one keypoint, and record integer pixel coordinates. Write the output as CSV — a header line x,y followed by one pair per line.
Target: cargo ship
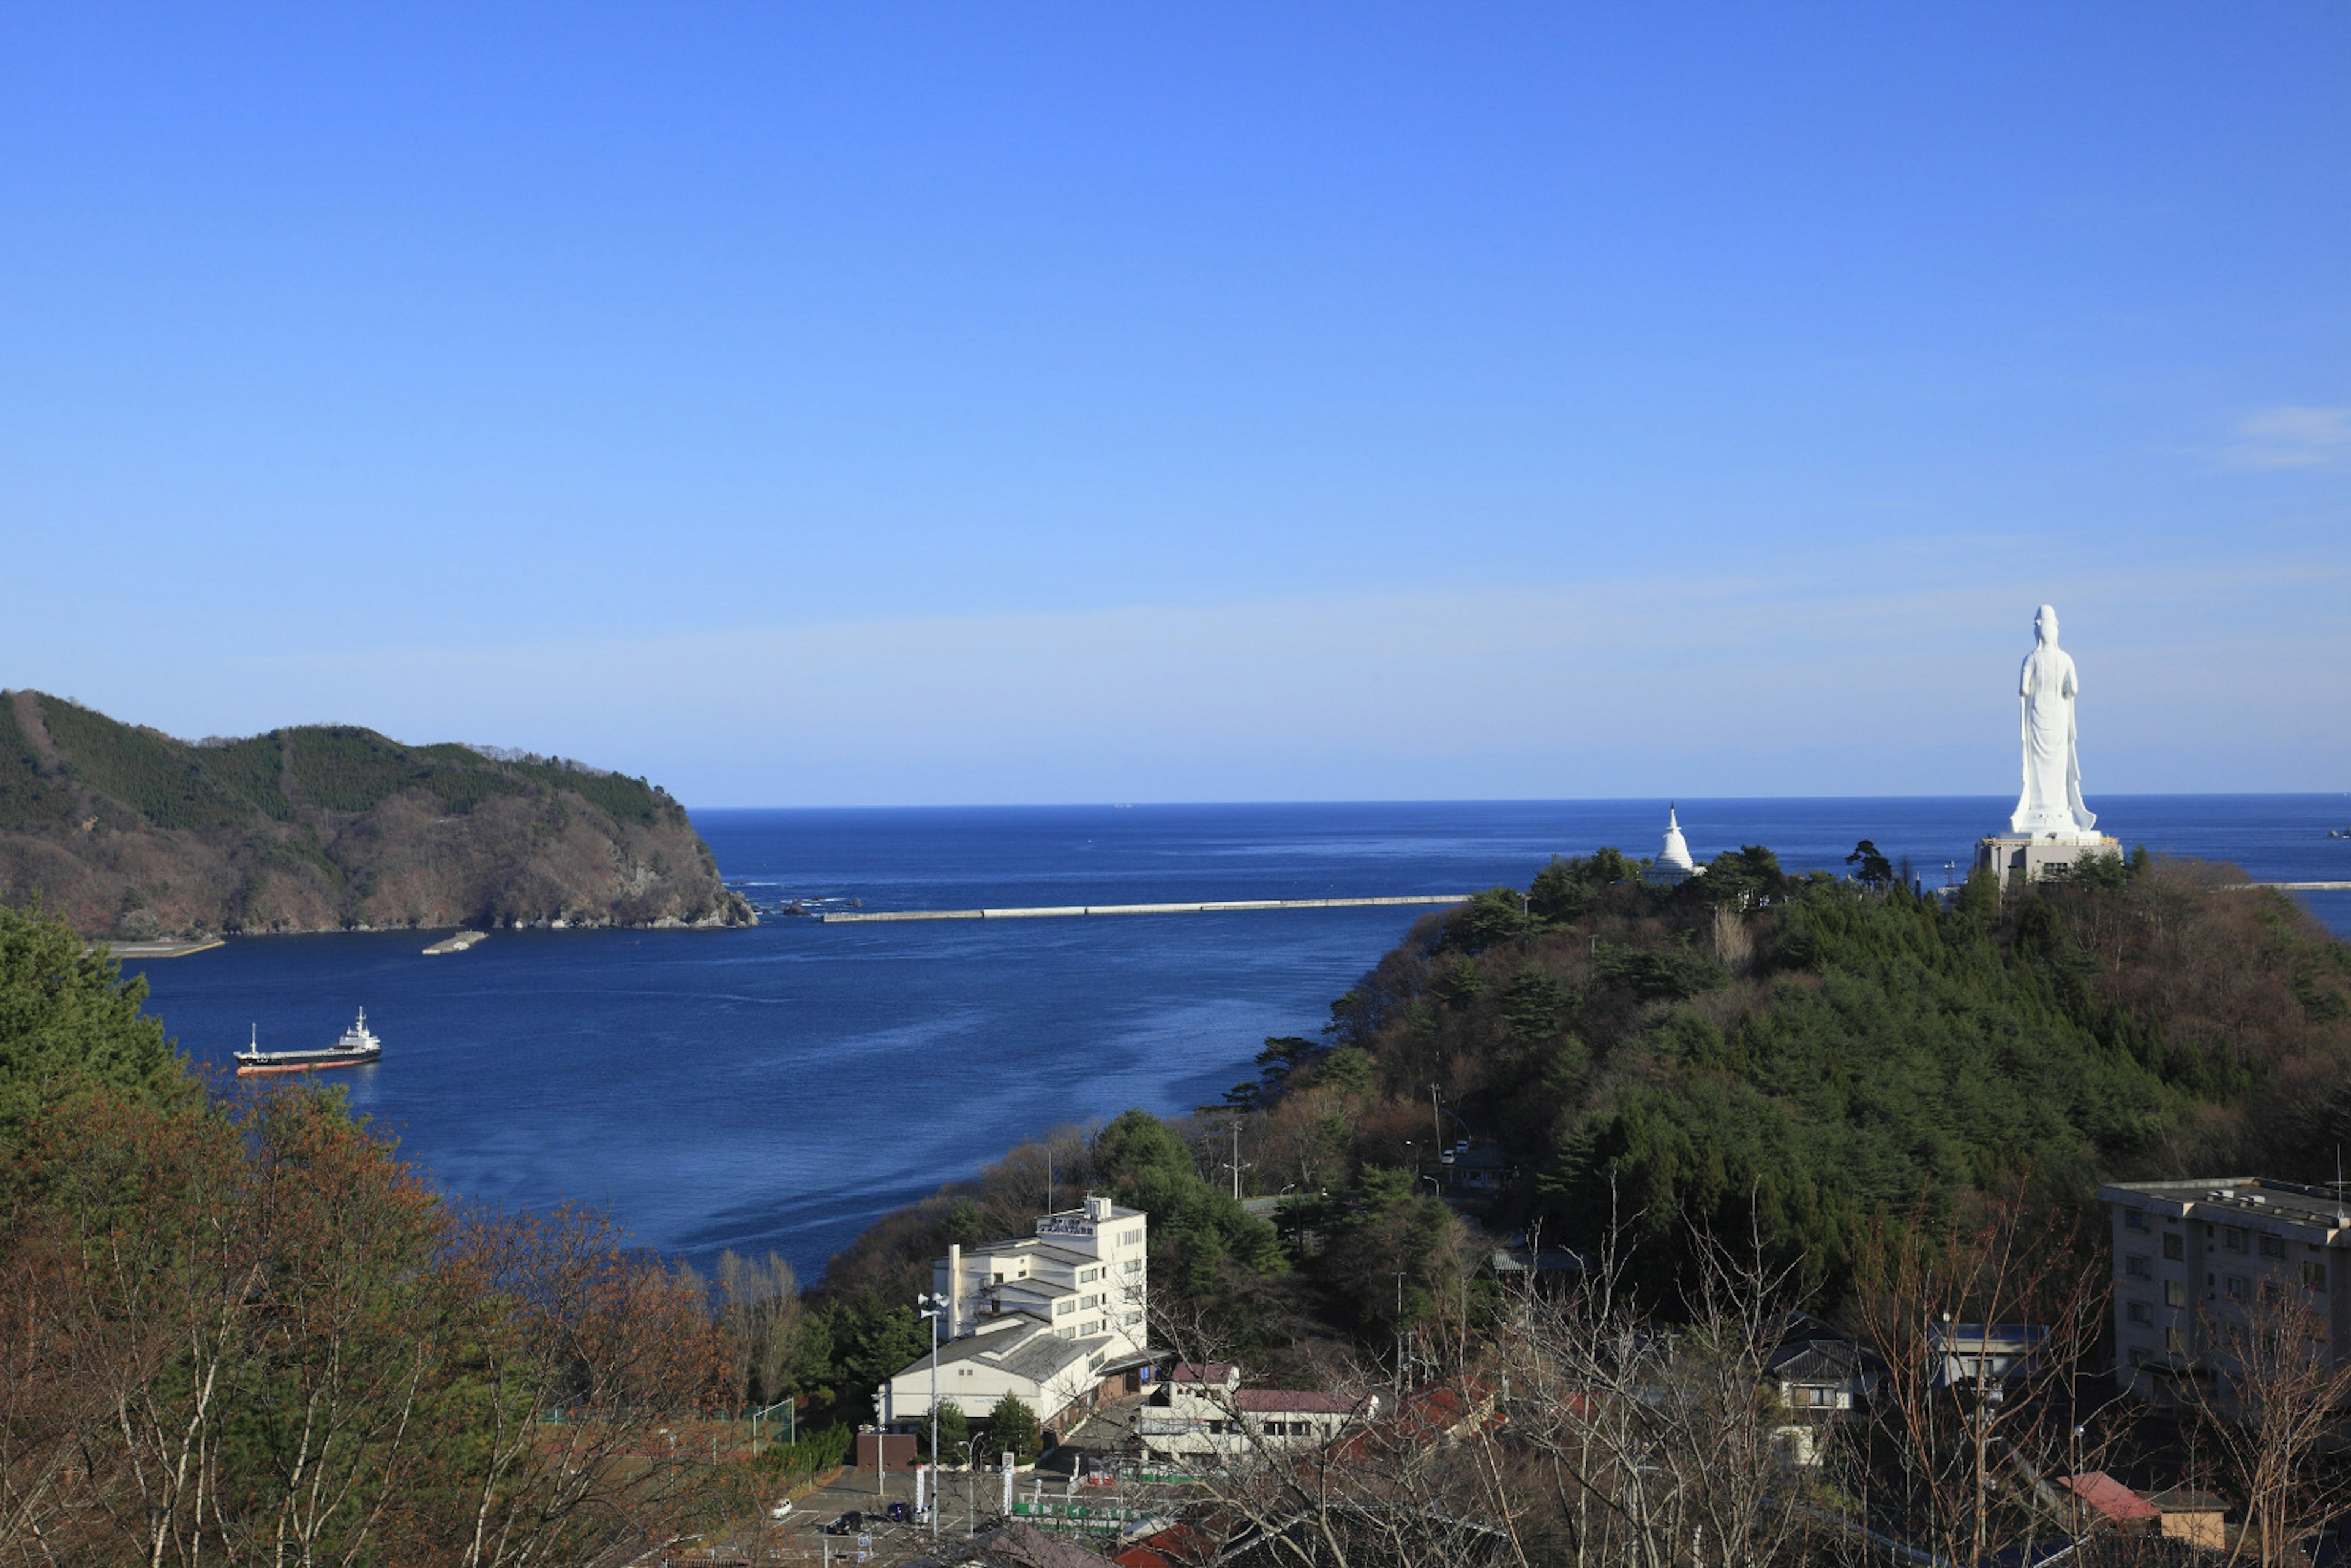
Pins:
x,y
358,1045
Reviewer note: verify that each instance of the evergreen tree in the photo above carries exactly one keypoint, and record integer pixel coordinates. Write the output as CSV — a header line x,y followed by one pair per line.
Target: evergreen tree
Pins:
x,y
69,1023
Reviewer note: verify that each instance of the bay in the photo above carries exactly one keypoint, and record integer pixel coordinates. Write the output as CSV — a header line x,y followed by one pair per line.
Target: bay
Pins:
x,y
780,1087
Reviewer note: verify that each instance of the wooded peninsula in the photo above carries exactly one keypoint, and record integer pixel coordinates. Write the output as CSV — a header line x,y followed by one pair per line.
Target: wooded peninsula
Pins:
x,y
127,832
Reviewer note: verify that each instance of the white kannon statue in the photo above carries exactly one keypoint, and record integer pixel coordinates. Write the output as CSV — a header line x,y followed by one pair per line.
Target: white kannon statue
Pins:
x,y
2051,806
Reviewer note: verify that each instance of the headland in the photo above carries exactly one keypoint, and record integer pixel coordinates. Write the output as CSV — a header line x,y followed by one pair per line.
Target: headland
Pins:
x,y
128,834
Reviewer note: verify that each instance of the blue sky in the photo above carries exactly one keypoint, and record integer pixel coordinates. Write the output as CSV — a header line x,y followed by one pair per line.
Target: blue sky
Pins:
x,y
905,403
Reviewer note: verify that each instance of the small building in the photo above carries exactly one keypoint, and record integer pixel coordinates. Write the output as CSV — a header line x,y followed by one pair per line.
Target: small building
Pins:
x,y
2197,1518
1201,1410
1673,865
1017,1355
1984,1352
1820,1376
1485,1169
1825,1376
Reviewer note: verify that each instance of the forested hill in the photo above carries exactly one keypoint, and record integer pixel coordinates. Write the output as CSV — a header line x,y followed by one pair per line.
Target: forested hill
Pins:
x,y
1824,1053
125,831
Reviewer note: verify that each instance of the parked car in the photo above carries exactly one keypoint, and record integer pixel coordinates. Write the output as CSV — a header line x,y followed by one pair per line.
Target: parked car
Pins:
x,y
783,1509
900,1514
849,1524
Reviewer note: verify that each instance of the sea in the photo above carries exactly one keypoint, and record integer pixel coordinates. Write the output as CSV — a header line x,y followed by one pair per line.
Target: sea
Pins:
x,y
776,1089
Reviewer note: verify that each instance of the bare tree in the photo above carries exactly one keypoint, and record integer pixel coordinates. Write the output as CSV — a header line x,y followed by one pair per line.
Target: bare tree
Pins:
x,y
1984,1335
759,1313
1662,1443
2266,1396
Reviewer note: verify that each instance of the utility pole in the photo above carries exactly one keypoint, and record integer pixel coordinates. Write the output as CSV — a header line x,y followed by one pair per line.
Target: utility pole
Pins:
x,y
1236,1159
932,1306
1436,1118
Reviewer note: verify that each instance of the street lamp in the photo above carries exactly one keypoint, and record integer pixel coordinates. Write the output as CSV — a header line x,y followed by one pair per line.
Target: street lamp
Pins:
x,y
932,1308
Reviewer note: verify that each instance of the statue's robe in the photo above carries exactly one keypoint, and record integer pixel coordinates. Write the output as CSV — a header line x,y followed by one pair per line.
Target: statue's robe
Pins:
x,y
2053,768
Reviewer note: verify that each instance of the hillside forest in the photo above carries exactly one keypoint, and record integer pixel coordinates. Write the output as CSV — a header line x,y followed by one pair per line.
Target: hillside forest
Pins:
x,y
1795,1062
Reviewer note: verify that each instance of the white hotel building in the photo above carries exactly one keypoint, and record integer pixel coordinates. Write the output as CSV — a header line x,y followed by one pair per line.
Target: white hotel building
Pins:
x,y
1048,1317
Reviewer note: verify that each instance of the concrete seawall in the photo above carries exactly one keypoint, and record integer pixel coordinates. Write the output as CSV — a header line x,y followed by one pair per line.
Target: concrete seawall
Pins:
x,y
1064,911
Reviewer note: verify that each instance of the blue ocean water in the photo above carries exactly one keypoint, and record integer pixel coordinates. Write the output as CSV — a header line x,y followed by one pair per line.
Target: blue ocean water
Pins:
x,y
780,1087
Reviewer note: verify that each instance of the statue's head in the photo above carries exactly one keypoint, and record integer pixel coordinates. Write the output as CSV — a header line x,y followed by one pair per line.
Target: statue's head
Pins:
x,y
2044,624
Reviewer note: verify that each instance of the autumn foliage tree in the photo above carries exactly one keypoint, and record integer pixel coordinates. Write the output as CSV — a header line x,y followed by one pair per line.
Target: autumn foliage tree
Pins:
x,y
241,1330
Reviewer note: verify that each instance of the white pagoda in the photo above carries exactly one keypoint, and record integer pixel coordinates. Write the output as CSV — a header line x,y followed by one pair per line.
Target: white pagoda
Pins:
x,y
1673,864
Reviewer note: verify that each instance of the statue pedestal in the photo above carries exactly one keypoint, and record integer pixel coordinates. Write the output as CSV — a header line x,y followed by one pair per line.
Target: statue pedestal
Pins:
x,y
2028,858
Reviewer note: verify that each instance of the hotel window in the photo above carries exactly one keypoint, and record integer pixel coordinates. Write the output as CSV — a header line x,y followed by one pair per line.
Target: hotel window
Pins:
x,y
2175,1340
2272,1246
2133,1219
2175,1294
2234,1238
2138,1355
1064,1308
2139,1313
1135,1265
2175,1247
2314,1276
1088,1331
1065,1333
1131,1238
2136,1267
2238,1287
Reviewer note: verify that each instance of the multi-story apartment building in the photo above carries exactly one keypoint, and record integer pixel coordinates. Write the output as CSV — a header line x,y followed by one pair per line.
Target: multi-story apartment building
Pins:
x,y
2193,1258
1046,1317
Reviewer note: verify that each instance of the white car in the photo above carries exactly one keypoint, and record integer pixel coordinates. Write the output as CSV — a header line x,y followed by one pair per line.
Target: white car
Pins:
x,y
781,1510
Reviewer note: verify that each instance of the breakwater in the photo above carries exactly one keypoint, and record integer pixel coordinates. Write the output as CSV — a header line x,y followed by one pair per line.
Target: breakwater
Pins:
x,y
1065,911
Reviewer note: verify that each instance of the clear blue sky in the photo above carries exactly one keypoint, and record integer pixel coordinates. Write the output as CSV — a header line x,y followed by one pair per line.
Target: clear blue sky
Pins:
x,y
893,404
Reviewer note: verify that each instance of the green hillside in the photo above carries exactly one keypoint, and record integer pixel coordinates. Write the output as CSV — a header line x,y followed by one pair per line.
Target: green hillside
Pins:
x,y
1815,1052
172,783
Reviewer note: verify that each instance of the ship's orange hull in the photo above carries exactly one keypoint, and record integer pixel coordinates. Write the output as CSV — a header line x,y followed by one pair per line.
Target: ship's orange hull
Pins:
x,y
300,1067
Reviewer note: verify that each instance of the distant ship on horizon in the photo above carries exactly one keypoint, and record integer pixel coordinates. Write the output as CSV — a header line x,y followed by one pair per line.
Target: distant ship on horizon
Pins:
x,y
358,1045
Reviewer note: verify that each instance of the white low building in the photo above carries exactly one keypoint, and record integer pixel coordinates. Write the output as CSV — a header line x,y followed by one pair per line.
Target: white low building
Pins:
x,y
1046,1317
1202,1411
